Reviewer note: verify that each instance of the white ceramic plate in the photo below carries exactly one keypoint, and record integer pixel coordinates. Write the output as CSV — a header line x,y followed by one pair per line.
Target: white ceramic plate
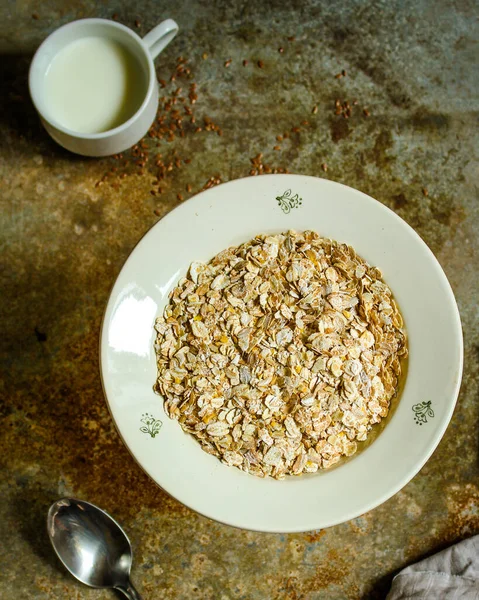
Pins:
x,y
231,214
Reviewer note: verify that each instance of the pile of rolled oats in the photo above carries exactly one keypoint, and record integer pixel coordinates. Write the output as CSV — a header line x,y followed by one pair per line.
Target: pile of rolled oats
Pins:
x,y
280,354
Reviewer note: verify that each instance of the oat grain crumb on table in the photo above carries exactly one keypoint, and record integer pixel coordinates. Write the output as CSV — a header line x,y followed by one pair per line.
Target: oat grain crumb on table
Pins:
x,y
281,354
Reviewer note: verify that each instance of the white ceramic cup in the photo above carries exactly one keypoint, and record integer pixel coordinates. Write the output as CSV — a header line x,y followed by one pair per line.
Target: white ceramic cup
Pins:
x,y
144,49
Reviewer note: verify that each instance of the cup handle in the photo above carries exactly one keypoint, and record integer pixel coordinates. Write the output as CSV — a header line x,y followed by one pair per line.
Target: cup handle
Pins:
x,y
160,36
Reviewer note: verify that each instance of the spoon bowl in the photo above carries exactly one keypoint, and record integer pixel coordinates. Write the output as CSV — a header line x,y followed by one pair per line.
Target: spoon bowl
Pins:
x,y
91,545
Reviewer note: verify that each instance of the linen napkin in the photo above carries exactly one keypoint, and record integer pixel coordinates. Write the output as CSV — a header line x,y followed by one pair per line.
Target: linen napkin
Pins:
x,y
452,574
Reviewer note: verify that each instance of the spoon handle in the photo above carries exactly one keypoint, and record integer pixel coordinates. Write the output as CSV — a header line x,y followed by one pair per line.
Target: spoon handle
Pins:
x,y
129,591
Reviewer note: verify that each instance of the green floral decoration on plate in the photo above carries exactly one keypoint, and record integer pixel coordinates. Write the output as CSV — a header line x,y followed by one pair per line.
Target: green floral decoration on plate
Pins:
x,y
150,425
287,201
422,411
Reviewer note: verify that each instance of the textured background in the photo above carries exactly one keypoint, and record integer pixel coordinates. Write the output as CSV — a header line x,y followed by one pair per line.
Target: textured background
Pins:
x,y
65,237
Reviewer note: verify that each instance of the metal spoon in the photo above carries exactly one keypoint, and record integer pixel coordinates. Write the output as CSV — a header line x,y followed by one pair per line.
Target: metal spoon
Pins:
x,y
91,545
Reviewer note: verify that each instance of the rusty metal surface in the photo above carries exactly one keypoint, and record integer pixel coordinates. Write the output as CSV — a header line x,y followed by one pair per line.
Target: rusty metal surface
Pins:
x,y
69,223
